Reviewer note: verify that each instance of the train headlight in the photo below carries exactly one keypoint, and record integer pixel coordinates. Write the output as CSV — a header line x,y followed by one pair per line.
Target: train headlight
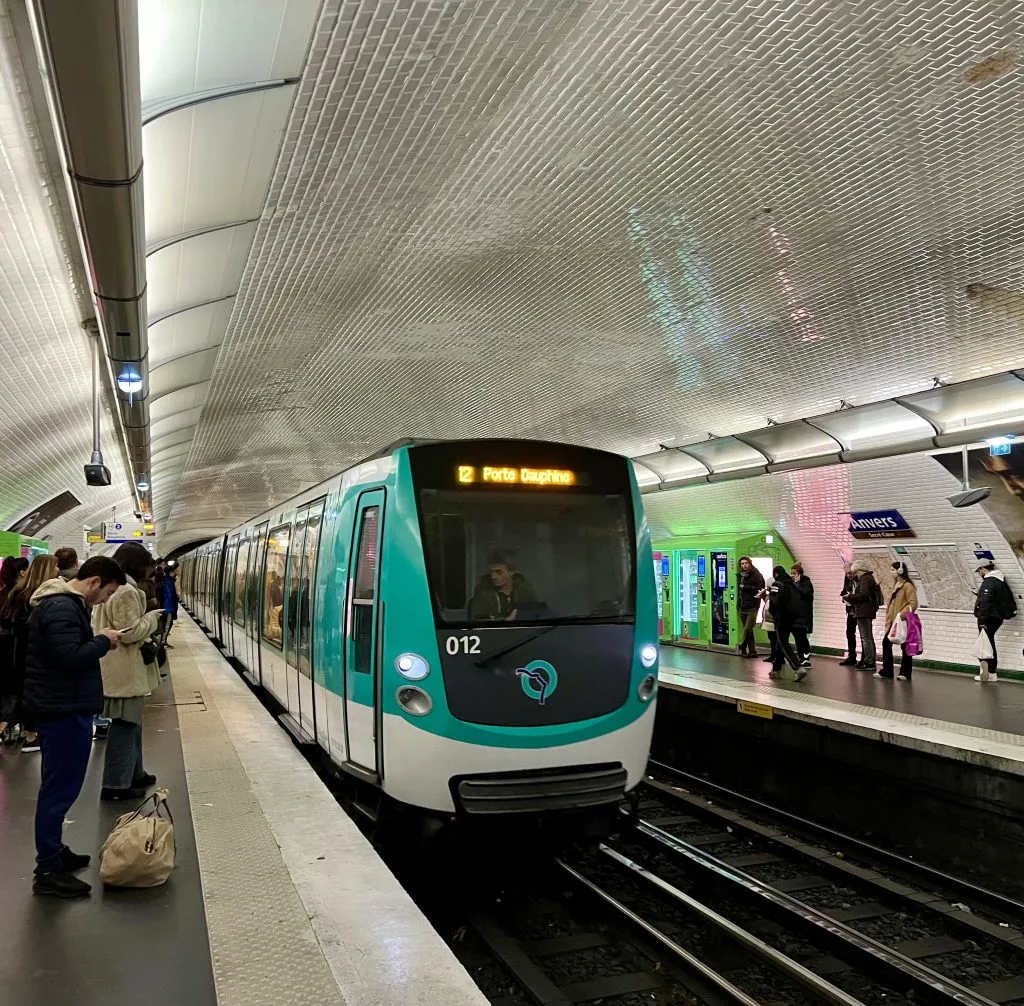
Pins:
x,y
414,700
412,666
646,689
648,655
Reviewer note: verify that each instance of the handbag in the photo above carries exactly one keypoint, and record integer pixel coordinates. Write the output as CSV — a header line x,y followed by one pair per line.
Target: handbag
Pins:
x,y
139,852
148,651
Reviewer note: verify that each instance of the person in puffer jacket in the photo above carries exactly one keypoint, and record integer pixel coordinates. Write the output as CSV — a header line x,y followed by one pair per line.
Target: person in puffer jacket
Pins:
x,y
63,690
994,605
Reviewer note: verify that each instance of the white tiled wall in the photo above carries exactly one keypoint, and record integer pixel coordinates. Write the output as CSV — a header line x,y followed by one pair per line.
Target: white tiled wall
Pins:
x,y
807,508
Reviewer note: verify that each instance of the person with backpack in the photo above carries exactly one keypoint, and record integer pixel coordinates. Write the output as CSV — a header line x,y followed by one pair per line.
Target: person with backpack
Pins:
x,y
785,606
995,604
865,599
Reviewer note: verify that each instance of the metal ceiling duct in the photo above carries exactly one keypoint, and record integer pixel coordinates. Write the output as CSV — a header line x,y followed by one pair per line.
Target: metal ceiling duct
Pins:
x,y
90,55
941,417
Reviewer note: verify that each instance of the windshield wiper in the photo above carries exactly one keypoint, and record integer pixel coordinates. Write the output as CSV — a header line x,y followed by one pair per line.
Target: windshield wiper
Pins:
x,y
514,646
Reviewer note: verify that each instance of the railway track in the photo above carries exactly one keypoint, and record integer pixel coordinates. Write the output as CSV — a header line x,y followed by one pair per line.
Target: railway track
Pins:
x,y
837,912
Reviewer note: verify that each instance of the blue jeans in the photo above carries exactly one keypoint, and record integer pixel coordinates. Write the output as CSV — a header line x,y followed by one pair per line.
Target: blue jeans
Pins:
x,y
64,743
122,761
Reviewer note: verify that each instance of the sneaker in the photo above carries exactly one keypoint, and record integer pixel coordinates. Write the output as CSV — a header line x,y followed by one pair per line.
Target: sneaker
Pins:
x,y
847,663
801,673
902,677
991,677
32,745
806,662
121,794
60,885
769,660
877,675
144,780
774,675
72,861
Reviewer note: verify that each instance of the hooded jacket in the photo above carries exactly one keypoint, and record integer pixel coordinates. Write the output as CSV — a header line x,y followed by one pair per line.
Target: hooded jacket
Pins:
x,y
805,604
995,599
62,668
784,603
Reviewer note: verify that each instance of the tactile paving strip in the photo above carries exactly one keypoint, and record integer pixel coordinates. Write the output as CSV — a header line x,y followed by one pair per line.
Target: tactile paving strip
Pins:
x,y
264,949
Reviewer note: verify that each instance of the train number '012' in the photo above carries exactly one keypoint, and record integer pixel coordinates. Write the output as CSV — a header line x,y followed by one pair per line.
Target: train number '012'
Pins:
x,y
462,644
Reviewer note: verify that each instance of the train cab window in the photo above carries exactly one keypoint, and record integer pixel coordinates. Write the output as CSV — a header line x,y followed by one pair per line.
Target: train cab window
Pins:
x,y
364,592
273,584
524,558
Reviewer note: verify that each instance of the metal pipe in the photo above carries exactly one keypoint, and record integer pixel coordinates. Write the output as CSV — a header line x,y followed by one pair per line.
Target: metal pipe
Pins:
x,y
966,480
97,453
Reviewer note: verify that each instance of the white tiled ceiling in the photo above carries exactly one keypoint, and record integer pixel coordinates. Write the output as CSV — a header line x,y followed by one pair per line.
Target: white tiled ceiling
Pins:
x,y
615,222
45,408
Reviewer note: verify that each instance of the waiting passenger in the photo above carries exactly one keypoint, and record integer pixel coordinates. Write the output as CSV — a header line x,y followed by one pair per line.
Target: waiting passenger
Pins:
x,y
785,606
994,605
751,585
865,599
902,601
803,626
63,690
13,570
127,676
14,615
769,624
501,592
849,584
169,597
67,562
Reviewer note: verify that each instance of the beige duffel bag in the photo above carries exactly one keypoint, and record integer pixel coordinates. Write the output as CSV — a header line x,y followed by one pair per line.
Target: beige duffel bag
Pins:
x,y
139,852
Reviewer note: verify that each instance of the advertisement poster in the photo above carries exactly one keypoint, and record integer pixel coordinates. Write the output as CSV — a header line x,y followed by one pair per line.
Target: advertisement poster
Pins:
x,y
1004,475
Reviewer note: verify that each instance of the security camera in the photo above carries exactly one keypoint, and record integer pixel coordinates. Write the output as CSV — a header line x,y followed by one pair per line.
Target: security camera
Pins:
x,y
969,497
97,475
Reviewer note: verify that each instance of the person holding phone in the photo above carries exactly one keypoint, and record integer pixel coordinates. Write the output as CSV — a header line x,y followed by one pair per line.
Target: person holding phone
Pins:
x,y
128,677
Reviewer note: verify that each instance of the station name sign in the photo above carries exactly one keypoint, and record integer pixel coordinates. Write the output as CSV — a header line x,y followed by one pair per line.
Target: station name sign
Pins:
x,y
880,524
505,475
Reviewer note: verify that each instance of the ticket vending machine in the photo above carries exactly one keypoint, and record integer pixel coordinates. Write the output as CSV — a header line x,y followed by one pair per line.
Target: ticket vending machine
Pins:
x,y
698,582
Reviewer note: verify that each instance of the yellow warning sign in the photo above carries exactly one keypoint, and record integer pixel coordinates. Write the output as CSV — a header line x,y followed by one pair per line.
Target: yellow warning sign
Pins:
x,y
754,709
94,538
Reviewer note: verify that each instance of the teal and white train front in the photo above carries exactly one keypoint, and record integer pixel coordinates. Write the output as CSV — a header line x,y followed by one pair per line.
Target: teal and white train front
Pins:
x,y
469,626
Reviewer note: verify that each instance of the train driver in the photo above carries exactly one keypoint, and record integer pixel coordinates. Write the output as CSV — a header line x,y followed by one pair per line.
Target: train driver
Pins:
x,y
500,592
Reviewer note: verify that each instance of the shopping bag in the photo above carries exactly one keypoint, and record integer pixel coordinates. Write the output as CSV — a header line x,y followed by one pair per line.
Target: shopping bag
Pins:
x,y
139,852
898,631
914,646
984,650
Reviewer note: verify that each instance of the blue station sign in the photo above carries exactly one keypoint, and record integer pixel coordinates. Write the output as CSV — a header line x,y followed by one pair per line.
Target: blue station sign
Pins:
x,y
879,524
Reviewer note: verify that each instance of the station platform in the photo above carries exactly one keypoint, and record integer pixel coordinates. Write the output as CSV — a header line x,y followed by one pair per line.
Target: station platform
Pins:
x,y
276,895
941,713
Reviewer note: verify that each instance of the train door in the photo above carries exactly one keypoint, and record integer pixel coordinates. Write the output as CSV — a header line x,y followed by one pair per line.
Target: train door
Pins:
x,y
692,599
292,583
362,630
253,600
723,601
227,594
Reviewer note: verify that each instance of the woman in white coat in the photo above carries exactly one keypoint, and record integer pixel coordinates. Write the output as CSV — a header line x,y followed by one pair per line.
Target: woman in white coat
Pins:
x,y
127,678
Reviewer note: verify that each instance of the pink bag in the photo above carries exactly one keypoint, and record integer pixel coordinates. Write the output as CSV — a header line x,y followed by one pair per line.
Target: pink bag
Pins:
x,y
914,645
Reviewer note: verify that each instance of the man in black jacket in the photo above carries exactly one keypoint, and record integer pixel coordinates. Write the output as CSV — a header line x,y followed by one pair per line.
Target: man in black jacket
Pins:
x,y
849,586
63,691
751,585
995,604
864,600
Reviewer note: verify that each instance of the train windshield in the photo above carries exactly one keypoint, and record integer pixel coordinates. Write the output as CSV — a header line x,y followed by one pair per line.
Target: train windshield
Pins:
x,y
521,557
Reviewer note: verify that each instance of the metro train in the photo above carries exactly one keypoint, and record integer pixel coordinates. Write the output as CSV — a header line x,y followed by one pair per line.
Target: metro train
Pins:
x,y
464,627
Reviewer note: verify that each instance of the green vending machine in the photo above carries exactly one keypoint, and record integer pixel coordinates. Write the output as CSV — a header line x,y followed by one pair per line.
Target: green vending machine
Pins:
x,y
698,595
14,544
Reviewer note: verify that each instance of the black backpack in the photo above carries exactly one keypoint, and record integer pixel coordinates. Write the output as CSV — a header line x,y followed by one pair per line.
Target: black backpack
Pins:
x,y
877,597
1006,603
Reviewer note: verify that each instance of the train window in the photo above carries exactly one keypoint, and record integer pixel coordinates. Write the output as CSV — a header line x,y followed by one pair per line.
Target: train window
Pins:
x,y
241,561
308,578
259,547
364,592
273,583
292,585
518,556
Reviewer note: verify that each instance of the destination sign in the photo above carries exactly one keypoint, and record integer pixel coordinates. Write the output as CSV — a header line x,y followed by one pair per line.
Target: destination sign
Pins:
x,y
506,475
879,524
